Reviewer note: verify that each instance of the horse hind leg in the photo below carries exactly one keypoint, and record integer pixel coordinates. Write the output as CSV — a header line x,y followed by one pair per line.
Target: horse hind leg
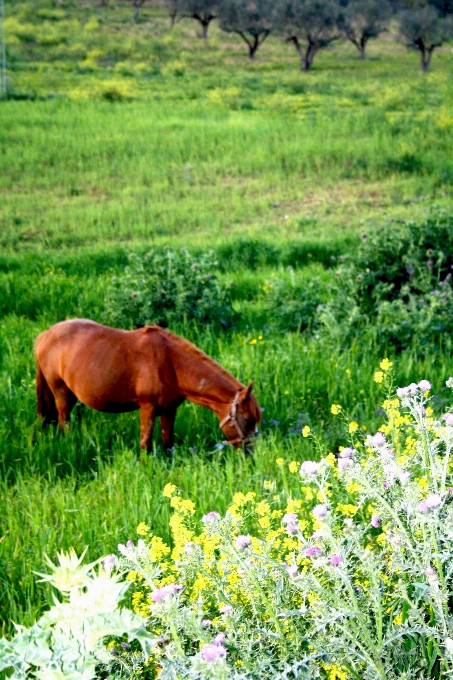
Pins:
x,y
65,401
47,407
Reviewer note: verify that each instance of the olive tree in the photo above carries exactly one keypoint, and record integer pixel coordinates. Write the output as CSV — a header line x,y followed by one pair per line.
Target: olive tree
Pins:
x,y
314,23
250,19
137,6
424,29
174,10
203,11
365,19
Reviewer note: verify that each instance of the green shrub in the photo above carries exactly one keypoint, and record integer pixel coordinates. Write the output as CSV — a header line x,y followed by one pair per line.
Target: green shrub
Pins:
x,y
395,261
397,284
293,303
170,288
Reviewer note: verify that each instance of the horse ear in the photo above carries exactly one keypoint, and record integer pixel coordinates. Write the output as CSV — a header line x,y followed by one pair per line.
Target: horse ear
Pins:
x,y
246,392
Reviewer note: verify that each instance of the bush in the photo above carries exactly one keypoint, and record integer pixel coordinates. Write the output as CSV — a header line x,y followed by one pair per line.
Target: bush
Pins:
x,y
169,288
398,284
293,303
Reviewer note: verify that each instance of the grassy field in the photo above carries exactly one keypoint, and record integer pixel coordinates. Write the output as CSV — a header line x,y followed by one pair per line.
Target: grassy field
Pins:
x,y
122,137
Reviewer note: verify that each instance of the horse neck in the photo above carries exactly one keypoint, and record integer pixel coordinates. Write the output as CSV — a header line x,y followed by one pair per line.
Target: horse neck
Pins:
x,y
206,384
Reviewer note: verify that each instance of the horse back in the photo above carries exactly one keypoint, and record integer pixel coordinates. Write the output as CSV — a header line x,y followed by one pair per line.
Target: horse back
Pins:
x,y
104,367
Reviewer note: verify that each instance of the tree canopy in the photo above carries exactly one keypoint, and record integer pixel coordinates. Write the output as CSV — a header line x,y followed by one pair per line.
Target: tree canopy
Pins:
x,y
250,19
423,28
204,11
365,19
314,22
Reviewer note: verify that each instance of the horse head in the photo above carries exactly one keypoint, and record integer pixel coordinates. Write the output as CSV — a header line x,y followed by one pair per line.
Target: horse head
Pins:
x,y
244,414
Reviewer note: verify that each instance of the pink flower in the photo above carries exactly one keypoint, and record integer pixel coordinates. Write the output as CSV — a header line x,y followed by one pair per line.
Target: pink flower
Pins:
x,y
212,652
404,477
289,518
309,467
430,571
347,452
226,609
161,593
292,529
291,569
320,510
242,541
433,501
412,388
108,563
402,392
220,637
206,623
313,551
210,517
424,385
344,463
130,544
378,439
448,417
375,521
335,560
423,506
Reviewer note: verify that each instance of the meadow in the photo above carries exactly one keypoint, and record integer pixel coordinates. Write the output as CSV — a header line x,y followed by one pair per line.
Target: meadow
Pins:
x,y
120,138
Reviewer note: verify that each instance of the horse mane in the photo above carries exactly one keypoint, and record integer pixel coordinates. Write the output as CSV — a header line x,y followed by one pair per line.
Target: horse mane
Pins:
x,y
197,353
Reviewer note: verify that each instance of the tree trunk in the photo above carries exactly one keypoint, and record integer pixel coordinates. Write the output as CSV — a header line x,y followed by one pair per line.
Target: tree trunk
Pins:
x,y
296,44
137,13
362,48
204,30
309,56
426,58
172,19
253,47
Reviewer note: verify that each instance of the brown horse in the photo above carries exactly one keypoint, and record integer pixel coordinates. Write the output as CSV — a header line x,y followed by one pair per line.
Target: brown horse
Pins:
x,y
149,369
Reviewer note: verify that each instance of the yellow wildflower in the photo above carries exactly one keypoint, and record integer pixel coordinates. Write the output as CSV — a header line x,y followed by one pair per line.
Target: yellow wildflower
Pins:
x,y
398,620
347,509
330,459
142,529
280,462
253,342
264,522
169,490
306,431
293,466
386,364
353,427
378,377
335,409
263,508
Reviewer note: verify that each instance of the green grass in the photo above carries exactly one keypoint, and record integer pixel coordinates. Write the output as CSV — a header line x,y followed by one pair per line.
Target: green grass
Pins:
x,y
268,166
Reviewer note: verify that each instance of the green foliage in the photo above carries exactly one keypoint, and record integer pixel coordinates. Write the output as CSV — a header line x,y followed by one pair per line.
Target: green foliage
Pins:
x,y
403,275
169,288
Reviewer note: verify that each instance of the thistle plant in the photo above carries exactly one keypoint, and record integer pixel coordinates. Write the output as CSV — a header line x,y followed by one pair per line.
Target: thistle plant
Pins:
x,y
68,642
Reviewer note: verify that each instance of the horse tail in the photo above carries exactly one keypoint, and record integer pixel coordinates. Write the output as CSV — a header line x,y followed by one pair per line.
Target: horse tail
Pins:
x,y
47,407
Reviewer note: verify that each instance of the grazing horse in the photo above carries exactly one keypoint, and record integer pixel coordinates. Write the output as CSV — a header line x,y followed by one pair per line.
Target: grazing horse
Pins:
x,y
149,369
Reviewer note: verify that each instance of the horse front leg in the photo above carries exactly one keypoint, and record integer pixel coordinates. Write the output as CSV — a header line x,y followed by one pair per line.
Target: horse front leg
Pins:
x,y
167,425
147,418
